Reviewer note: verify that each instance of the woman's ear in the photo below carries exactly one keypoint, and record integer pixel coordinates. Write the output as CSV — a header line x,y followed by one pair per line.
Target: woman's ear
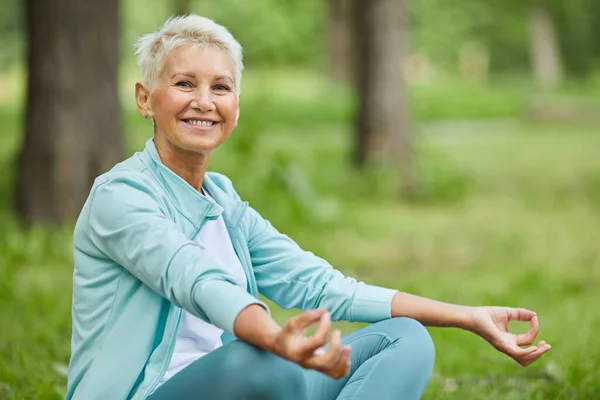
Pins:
x,y
142,98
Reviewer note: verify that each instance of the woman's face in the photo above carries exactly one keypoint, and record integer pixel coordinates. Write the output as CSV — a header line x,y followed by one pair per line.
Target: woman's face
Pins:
x,y
194,103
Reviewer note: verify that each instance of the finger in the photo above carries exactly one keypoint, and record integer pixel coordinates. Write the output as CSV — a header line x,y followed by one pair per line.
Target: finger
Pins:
x,y
331,356
345,354
324,360
536,355
517,352
319,338
520,314
530,354
306,318
528,338
336,369
543,345
319,352
310,347
344,361
342,365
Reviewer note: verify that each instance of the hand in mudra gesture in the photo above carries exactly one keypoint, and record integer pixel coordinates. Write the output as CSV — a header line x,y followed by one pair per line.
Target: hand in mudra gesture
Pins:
x,y
293,344
491,323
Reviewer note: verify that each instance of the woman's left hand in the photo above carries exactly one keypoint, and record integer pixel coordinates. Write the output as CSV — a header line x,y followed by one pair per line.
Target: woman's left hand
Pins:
x,y
491,323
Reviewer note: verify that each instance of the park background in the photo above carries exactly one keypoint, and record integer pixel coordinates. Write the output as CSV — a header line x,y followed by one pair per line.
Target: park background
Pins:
x,y
485,192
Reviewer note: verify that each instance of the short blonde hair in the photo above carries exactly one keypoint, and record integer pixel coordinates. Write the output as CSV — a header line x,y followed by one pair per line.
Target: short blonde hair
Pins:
x,y
152,48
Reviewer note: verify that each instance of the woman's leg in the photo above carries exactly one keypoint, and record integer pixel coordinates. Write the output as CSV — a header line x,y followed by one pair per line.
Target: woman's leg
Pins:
x,y
235,371
391,359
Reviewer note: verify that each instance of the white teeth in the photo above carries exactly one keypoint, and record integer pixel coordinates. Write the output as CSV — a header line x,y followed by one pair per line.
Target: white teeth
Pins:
x,y
199,123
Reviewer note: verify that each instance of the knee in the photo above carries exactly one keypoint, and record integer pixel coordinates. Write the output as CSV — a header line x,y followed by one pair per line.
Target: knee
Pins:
x,y
285,380
412,333
270,377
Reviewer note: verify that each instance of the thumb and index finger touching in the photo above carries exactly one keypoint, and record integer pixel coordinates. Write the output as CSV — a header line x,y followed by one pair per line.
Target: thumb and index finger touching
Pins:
x,y
520,314
528,338
319,337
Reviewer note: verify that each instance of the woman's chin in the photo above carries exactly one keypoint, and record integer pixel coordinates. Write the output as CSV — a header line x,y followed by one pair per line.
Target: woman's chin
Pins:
x,y
200,144
196,141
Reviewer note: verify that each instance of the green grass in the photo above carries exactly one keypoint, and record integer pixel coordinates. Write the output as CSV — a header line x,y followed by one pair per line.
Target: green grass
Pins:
x,y
510,215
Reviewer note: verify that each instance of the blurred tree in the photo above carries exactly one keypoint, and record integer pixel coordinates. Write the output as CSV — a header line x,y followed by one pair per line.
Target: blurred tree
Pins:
x,y
579,34
73,127
338,35
383,128
545,52
182,7
505,28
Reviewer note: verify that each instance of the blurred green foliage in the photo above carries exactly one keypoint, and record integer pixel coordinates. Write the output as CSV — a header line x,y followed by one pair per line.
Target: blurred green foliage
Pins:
x,y
440,27
286,32
12,32
271,31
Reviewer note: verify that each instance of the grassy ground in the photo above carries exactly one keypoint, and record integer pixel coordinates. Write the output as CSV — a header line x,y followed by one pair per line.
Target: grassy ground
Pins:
x,y
510,216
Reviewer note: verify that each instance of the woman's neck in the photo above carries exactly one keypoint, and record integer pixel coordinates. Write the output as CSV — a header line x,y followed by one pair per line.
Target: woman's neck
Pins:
x,y
190,166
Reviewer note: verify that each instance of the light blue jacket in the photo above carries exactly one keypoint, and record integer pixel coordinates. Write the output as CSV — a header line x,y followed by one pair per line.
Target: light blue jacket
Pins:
x,y
137,267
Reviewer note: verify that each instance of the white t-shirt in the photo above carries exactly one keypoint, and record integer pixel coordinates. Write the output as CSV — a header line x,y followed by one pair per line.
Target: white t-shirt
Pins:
x,y
196,337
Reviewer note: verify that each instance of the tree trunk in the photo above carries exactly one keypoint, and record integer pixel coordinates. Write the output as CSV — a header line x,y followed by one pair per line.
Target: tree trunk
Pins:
x,y
545,53
383,129
73,127
338,35
182,7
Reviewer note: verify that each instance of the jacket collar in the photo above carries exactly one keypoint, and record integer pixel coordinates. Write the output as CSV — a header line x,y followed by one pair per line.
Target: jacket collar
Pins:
x,y
191,203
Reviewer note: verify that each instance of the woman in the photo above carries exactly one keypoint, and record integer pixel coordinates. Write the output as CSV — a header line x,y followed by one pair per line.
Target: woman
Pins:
x,y
169,264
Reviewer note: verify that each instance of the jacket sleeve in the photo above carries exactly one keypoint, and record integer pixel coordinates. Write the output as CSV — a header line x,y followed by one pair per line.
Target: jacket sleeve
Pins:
x,y
294,278
129,225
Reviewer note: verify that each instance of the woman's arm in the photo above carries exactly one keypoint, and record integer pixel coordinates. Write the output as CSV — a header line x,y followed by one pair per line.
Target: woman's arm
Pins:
x,y
295,278
125,219
491,323
255,326
431,312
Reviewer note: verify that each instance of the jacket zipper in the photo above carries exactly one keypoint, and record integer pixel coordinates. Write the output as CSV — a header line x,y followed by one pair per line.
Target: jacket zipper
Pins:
x,y
167,360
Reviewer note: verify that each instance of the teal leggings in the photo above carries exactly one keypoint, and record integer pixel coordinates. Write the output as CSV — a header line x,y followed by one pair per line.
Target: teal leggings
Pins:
x,y
391,359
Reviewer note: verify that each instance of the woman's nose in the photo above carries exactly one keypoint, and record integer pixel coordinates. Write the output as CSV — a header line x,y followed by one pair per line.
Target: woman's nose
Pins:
x,y
203,100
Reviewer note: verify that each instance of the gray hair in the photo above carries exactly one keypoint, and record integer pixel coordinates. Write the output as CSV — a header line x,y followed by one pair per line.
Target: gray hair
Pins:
x,y
152,48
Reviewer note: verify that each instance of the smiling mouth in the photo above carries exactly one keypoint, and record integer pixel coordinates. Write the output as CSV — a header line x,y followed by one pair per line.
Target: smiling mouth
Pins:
x,y
199,123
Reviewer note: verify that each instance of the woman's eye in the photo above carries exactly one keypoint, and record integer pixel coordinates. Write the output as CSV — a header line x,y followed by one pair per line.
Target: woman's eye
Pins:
x,y
183,84
223,87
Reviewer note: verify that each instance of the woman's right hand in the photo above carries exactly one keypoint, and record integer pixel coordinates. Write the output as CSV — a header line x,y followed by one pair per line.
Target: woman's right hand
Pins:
x,y
292,344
